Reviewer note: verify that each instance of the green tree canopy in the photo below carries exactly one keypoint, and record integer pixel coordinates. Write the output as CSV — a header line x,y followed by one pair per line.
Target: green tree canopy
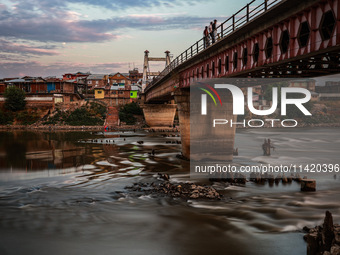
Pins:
x,y
14,99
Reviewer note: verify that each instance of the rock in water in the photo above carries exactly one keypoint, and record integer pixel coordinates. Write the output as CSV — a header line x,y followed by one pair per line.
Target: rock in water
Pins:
x,y
323,240
308,185
165,177
327,232
335,250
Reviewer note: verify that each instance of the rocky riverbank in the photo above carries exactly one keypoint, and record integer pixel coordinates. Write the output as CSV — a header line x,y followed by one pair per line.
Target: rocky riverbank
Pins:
x,y
325,239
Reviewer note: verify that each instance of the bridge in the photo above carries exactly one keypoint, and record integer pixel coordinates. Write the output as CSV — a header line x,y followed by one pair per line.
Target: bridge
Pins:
x,y
277,38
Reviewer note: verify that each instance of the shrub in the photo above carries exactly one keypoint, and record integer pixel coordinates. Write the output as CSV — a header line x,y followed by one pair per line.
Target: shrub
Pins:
x,y
14,99
26,118
127,112
5,118
81,116
98,109
132,108
84,116
128,118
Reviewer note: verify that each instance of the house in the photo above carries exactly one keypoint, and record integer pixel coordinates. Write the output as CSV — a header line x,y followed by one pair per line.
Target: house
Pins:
x,y
119,79
134,92
2,86
97,80
330,92
303,83
314,96
99,93
135,76
75,76
44,92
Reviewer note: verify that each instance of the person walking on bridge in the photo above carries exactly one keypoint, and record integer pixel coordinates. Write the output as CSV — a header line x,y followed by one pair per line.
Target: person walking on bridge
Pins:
x,y
206,37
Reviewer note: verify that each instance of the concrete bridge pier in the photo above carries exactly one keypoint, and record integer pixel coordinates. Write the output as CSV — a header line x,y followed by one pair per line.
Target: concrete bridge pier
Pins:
x,y
200,140
159,115
182,99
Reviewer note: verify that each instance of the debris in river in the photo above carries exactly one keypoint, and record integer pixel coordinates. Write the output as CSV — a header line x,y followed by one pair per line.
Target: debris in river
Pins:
x,y
266,147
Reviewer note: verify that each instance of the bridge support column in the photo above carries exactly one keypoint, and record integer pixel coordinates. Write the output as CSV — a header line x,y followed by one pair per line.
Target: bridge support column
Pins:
x,y
159,115
201,140
182,98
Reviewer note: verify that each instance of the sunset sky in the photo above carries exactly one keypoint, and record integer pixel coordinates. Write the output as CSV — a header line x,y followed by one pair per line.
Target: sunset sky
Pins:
x,y
49,38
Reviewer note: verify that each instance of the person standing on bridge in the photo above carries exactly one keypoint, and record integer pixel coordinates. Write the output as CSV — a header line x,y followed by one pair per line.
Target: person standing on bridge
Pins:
x,y
211,32
206,37
214,27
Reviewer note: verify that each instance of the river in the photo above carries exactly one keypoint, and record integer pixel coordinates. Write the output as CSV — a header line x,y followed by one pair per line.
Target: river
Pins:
x,y
64,193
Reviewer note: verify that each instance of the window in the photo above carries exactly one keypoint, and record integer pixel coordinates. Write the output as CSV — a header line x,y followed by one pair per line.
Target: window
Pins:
x,y
219,66
269,47
245,57
213,69
131,94
227,63
256,52
235,60
99,91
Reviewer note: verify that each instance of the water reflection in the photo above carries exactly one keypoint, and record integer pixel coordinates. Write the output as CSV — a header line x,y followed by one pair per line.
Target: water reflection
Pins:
x,y
32,151
81,205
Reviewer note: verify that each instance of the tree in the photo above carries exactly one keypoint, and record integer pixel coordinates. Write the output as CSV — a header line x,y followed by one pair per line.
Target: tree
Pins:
x,y
14,99
127,112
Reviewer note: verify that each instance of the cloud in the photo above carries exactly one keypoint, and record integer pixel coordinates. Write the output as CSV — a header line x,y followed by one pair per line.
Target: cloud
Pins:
x,y
116,4
51,21
56,30
35,68
26,50
39,28
52,30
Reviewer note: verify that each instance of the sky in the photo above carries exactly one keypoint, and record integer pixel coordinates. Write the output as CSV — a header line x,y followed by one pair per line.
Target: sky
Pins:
x,y
53,37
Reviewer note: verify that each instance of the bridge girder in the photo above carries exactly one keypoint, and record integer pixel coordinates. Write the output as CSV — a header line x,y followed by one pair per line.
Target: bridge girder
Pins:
x,y
292,39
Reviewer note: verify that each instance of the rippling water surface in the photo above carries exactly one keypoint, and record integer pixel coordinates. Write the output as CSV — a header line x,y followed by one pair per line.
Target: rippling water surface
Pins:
x,y
64,193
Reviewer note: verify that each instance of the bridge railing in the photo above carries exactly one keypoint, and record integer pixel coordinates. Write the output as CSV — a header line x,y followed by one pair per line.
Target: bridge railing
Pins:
x,y
234,22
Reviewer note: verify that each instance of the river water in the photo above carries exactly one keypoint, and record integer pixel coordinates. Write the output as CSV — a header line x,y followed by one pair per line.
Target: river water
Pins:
x,y
64,193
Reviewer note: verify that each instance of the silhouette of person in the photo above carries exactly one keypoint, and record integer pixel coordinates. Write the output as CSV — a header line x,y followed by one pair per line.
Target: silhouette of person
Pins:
x,y
214,28
206,37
